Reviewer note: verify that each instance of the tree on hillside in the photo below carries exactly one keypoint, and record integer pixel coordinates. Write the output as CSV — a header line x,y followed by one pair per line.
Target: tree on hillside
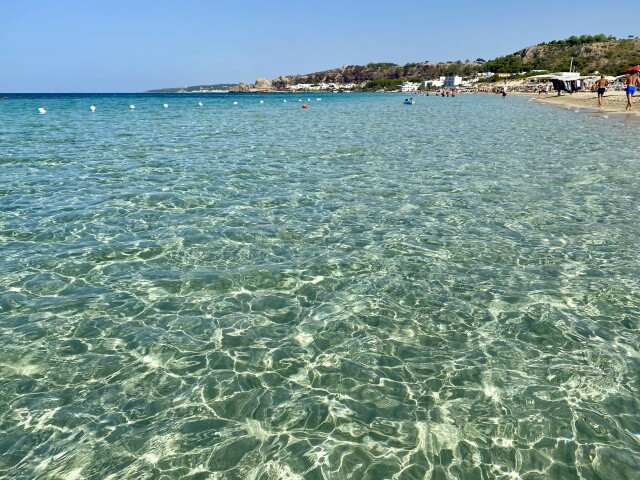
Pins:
x,y
509,64
468,70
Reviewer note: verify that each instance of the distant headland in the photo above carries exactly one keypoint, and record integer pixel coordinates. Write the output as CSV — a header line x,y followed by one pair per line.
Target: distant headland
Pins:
x,y
215,88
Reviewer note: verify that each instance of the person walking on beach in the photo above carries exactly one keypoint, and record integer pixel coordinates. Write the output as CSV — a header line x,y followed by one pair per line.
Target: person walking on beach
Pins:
x,y
632,82
602,87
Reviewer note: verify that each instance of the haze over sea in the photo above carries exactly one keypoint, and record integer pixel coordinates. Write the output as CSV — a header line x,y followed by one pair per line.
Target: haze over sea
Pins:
x,y
358,290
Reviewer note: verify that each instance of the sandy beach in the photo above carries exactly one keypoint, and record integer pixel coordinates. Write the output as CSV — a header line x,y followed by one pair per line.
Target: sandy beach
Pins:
x,y
613,102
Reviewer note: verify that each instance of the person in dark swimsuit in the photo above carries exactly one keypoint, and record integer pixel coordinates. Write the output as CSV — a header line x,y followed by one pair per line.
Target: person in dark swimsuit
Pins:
x,y
602,87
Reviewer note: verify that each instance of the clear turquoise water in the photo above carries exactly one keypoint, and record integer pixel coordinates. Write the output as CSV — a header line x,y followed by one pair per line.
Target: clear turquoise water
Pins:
x,y
359,290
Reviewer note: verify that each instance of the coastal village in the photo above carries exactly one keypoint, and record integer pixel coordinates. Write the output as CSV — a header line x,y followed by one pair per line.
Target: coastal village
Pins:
x,y
571,89
534,81
284,84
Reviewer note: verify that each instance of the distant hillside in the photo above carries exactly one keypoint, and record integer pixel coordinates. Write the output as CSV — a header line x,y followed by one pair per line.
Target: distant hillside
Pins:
x,y
590,53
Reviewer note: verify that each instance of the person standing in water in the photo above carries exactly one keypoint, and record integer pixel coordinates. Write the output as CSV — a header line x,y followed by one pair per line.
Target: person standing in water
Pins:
x,y
632,83
602,87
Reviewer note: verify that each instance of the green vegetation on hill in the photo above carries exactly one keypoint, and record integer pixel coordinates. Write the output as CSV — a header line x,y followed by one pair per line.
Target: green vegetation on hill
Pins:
x,y
380,65
590,53
384,84
573,41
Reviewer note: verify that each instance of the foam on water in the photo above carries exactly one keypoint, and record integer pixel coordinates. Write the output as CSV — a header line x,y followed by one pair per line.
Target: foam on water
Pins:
x,y
356,291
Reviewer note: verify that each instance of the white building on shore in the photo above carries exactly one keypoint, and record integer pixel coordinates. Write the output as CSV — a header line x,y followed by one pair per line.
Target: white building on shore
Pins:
x,y
435,83
452,81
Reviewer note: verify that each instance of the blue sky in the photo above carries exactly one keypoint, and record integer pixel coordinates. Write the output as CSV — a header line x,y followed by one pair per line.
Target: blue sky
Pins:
x,y
136,45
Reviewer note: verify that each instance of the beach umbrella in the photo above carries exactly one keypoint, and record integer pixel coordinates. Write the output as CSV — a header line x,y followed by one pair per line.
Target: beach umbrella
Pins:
x,y
635,69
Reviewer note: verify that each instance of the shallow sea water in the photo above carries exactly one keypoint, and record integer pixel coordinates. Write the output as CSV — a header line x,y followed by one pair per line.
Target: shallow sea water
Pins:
x,y
358,290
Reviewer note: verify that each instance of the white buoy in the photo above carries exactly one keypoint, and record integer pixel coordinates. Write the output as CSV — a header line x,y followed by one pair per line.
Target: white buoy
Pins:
x,y
199,104
41,110
576,111
165,105
92,108
308,99
235,103
299,99
606,116
261,101
318,99
285,101
132,107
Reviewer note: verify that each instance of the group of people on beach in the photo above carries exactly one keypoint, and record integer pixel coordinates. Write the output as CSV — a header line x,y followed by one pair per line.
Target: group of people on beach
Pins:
x,y
631,82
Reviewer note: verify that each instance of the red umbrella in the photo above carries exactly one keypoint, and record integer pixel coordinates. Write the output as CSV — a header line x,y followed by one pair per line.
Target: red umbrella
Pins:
x,y
633,69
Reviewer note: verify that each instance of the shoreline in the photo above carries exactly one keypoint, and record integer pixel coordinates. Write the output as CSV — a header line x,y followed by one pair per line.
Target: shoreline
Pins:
x,y
613,104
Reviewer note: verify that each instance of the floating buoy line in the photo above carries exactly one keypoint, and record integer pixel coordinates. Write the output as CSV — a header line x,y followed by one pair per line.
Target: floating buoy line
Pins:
x,y
92,108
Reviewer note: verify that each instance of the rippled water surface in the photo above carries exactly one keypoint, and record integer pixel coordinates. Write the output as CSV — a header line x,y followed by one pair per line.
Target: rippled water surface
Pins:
x,y
358,290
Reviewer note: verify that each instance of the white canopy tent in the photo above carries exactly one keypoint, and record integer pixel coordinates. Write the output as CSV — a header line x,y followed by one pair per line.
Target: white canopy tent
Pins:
x,y
563,76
